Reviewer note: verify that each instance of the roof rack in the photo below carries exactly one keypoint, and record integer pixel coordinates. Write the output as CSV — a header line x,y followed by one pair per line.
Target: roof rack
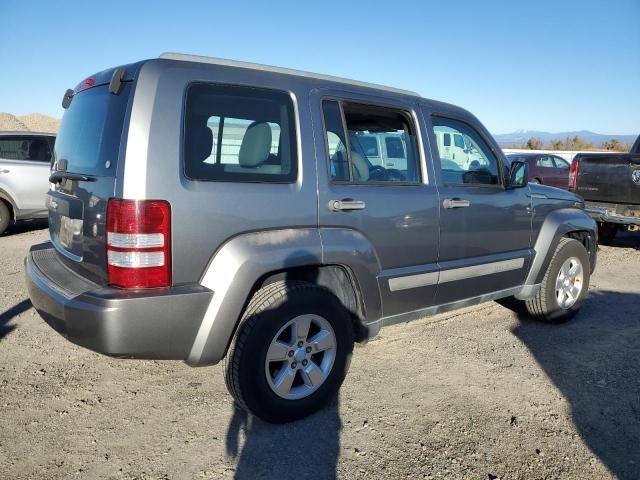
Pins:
x,y
287,71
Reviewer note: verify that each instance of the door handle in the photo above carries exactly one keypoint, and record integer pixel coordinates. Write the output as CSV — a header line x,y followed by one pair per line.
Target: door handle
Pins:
x,y
455,203
346,204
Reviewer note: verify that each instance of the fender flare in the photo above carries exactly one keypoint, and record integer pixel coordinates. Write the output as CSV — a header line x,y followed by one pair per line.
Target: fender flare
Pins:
x,y
556,225
241,261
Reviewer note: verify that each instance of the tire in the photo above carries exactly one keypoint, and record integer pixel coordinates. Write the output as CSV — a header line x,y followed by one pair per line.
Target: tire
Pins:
x,y
606,233
536,181
5,217
252,380
545,305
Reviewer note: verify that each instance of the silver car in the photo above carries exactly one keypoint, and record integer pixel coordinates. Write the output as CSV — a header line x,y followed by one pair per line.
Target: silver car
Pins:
x,y
206,209
25,162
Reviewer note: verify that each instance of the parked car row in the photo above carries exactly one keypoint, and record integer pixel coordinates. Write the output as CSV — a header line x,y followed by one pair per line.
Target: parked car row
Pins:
x,y
346,207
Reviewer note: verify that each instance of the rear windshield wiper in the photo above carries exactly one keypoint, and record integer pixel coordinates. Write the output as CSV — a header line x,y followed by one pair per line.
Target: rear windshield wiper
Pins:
x,y
57,177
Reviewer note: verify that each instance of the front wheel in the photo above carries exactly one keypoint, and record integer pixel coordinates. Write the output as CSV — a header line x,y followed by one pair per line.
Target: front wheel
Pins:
x,y
565,284
291,352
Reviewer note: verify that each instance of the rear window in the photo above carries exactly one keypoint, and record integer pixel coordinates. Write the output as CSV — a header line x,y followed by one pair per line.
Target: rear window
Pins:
x,y
240,134
91,130
33,149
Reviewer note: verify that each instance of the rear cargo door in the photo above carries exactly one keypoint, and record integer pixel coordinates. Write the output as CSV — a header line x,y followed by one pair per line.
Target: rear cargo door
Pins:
x,y
86,156
609,178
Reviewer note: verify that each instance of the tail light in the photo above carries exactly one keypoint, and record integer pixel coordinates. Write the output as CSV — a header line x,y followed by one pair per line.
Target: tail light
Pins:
x,y
573,175
138,243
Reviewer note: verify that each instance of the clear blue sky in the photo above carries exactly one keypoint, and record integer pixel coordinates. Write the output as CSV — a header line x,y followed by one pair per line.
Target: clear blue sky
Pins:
x,y
545,65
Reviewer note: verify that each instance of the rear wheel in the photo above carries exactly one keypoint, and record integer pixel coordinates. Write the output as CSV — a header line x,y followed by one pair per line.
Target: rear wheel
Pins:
x,y
5,217
565,284
291,352
606,232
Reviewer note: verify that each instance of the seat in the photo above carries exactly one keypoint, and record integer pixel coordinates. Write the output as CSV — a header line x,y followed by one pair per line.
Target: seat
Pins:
x,y
198,146
360,167
256,145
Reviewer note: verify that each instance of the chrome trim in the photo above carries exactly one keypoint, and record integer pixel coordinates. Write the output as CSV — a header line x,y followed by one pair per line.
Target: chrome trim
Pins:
x,y
538,195
480,270
413,281
602,215
451,275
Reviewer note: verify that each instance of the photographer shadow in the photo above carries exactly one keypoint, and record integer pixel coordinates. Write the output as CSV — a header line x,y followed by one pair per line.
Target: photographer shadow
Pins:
x,y
594,361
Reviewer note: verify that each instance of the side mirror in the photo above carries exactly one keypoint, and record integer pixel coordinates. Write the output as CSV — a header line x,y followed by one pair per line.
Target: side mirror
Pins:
x,y
517,175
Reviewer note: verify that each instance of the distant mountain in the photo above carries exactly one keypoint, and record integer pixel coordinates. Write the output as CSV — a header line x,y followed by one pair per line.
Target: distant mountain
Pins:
x,y
521,137
34,122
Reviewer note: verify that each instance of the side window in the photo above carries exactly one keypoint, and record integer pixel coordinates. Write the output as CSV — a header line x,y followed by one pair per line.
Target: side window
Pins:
x,y
395,147
544,161
355,145
34,149
239,134
561,163
469,160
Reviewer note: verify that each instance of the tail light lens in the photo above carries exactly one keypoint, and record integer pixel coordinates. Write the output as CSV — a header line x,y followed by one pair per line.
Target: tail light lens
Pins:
x,y
138,243
573,175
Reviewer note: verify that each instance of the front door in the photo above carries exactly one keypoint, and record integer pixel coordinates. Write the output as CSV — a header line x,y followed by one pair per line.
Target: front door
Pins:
x,y
485,228
393,207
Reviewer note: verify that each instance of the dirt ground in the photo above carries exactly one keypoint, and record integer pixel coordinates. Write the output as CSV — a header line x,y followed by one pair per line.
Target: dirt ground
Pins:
x,y
474,394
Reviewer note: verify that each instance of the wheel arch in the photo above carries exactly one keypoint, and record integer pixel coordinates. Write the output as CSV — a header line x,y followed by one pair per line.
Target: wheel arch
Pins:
x,y
246,262
566,222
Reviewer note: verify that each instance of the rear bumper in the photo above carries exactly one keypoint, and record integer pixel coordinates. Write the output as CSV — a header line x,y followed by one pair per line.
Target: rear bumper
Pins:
x,y
154,323
614,213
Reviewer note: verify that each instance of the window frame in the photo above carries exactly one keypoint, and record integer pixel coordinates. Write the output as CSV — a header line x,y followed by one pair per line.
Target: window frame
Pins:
x,y
436,153
294,129
409,115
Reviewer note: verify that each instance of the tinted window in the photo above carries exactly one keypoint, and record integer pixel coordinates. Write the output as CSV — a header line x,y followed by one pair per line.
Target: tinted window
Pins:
x,y
239,134
474,163
458,141
35,149
349,159
91,130
447,140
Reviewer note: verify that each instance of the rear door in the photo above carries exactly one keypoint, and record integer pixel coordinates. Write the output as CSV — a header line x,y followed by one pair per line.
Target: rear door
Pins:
x,y
485,229
562,172
24,173
394,208
546,170
86,155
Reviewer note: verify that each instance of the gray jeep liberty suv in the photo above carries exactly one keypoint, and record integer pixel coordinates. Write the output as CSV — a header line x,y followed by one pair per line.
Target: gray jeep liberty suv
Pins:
x,y
206,209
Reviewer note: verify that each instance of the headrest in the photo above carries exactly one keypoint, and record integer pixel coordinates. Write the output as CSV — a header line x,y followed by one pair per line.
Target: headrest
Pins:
x,y
199,143
256,145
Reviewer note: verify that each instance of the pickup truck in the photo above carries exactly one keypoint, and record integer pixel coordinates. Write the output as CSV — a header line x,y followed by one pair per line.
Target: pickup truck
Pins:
x,y
610,186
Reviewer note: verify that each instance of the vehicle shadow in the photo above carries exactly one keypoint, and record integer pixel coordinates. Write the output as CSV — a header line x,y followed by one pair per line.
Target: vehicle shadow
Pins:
x,y
594,360
308,448
25,226
8,315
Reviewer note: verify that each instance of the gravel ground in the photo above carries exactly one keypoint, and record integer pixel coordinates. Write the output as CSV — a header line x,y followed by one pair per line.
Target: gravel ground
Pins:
x,y
476,394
